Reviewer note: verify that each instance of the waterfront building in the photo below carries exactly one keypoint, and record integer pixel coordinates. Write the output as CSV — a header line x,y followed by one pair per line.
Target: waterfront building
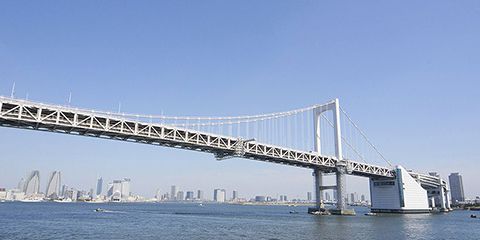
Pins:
x,y
71,194
32,184
327,196
173,192
260,199
180,196
21,184
219,195
189,196
158,195
283,198
200,195
15,195
119,190
53,185
456,187
64,190
353,198
309,196
3,194
125,188
234,195
99,186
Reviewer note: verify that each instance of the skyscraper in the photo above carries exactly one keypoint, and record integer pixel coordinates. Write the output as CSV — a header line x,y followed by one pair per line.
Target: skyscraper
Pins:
x,y
158,195
119,190
180,196
353,197
456,187
199,195
234,195
64,190
99,186
219,195
309,196
32,185
53,185
21,184
125,188
173,192
327,196
189,196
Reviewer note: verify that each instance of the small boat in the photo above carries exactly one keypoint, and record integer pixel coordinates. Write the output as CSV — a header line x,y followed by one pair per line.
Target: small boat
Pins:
x,y
473,216
370,214
293,212
99,210
31,200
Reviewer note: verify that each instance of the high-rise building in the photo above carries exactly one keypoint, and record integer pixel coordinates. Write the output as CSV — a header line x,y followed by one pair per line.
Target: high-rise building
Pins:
x,y
189,196
119,190
32,184
21,184
99,186
64,190
234,195
200,195
219,195
363,198
353,197
125,188
173,192
158,195
456,187
260,199
327,196
180,196
53,185
309,196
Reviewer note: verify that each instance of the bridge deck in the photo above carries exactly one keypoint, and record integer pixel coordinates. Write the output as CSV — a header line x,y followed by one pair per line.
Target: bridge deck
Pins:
x,y
36,116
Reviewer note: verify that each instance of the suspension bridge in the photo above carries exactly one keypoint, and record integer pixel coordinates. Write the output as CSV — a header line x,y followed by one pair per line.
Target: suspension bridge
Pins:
x,y
321,137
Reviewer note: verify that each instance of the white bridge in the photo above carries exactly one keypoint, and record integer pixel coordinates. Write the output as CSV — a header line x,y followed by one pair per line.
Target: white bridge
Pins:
x,y
277,137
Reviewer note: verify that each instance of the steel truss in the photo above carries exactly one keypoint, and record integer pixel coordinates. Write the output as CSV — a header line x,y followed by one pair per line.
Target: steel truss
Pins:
x,y
36,116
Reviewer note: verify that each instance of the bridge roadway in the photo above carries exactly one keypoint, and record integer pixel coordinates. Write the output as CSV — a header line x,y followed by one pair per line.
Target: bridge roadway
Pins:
x,y
60,119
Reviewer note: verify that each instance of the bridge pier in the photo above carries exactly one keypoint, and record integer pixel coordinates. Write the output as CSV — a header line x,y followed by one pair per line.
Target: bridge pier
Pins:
x,y
341,189
317,174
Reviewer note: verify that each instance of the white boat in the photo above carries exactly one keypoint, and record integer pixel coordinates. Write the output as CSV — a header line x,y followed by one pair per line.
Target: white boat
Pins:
x,y
31,200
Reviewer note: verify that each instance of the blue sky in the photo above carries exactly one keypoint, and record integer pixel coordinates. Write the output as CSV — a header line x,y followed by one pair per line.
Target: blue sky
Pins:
x,y
407,72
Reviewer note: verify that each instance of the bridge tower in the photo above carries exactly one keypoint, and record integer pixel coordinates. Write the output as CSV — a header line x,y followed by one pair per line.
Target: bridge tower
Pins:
x,y
341,167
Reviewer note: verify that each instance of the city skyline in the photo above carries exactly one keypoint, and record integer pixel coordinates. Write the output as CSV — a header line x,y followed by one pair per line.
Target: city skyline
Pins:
x,y
117,191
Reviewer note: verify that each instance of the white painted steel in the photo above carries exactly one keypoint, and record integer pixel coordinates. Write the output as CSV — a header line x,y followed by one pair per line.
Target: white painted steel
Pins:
x,y
36,116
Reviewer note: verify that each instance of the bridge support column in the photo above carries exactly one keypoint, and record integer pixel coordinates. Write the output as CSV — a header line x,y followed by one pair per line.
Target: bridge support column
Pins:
x,y
443,198
447,199
317,174
341,189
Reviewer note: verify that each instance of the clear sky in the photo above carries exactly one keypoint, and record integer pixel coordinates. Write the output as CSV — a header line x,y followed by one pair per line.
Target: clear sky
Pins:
x,y
407,72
